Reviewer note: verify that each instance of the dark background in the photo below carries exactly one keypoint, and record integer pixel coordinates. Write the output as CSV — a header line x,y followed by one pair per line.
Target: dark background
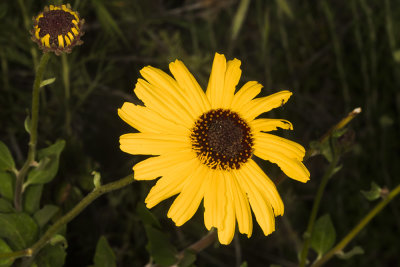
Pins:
x,y
333,55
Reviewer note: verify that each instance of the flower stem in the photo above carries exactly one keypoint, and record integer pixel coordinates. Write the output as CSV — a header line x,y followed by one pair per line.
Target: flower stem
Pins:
x,y
65,75
33,132
358,227
97,192
308,234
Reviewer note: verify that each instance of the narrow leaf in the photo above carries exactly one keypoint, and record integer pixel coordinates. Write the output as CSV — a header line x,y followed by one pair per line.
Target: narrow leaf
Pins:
x,y
347,255
6,206
32,196
51,256
47,82
284,6
239,18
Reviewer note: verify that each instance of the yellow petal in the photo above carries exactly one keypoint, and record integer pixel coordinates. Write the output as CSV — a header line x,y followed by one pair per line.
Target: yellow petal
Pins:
x,y
242,207
60,41
264,104
188,201
51,7
232,77
75,31
248,91
190,86
267,125
152,144
37,33
262,209
168,89
215,92
293,168
71,36
154,167
170,184
211,200
270,142
67,41
162,105
146,120
225,234
265,186
46,40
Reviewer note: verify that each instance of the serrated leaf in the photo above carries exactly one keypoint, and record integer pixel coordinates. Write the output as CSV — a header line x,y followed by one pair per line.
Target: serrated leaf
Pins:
x,y
6,159
347,255
32,196
373,193
47,82
324,235
4,248
48,164
19,229
7,182
159,247
51,256
44,215
104,256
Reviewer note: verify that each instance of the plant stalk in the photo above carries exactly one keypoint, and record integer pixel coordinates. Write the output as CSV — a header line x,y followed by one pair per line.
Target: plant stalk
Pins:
x,y
33,132
308,234
358,227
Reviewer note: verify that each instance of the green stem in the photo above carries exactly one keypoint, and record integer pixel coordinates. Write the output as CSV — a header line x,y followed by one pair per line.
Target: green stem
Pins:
x,y
65,75
307,235
358,227
33,131
97,192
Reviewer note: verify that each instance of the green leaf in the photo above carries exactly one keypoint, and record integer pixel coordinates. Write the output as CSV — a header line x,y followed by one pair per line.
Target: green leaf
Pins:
x,y
146,216
44,215
32,196
159,247
59,240
239,18
4,248
284,6
244,264
51,256
188,259
324,235
5,206
104,256
347,255
7,185
373,193
19,229
48,164
96,179
47,82
6,159
27,124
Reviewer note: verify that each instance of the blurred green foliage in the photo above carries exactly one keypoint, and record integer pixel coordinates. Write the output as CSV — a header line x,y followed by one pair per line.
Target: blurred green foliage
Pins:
x,y
334,56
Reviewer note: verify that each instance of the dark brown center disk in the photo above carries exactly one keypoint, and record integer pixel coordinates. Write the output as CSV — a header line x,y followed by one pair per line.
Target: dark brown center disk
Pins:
x,y
222,140
55,23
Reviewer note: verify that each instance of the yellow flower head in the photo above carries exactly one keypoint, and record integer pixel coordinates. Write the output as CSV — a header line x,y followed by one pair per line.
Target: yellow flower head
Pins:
x,y
57,29
204,144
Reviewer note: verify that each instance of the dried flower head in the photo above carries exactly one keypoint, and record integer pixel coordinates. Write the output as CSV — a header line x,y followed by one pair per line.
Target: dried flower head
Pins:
x,y
57,29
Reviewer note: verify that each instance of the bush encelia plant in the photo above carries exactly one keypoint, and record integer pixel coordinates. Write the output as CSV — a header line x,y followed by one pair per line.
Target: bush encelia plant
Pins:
x,y
204,150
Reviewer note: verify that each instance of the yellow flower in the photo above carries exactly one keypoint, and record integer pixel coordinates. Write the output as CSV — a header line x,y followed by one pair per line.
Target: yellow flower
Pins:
x,y
57,29
204,143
